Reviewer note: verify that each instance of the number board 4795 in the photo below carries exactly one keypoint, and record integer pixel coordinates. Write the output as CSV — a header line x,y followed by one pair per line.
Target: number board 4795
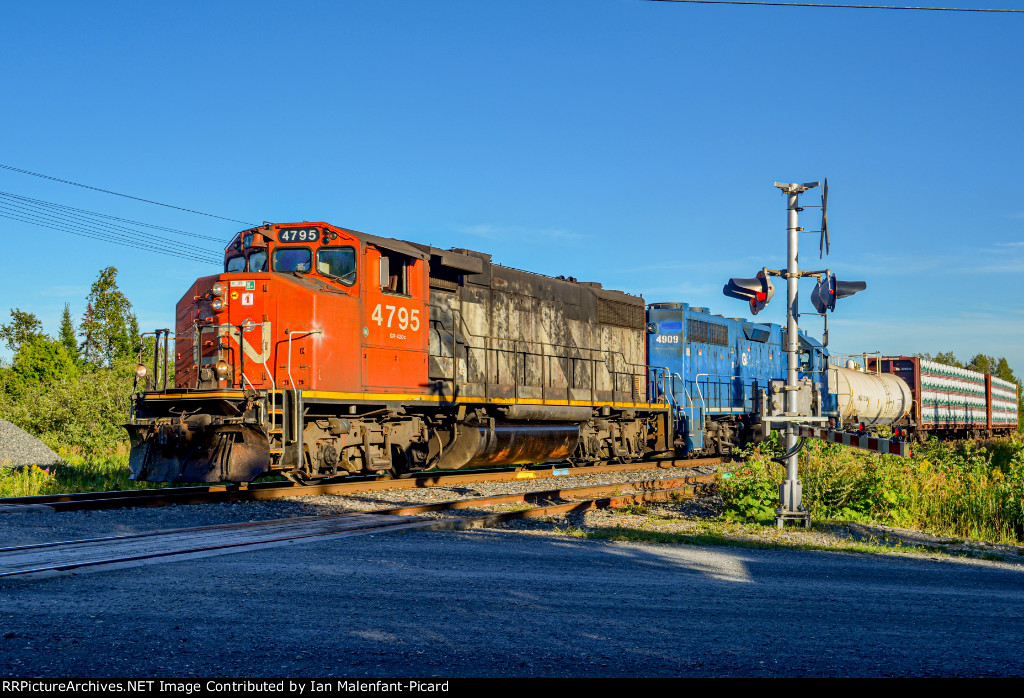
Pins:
x,y
298,235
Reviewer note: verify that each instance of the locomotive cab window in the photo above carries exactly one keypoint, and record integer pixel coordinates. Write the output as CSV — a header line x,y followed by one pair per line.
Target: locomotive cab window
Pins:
x,y
338,263
394,276
258,261
234,264
292,259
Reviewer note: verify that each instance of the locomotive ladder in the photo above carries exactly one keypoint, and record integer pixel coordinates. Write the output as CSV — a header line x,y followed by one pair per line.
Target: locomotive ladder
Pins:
x,y
283,428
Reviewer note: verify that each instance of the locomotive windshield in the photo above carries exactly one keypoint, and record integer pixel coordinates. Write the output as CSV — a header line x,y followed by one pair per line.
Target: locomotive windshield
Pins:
x,y
292,259
258,261
337,262
235,264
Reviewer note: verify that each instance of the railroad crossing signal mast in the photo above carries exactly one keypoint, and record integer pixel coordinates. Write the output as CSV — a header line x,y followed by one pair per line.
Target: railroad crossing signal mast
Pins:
x,y
798,393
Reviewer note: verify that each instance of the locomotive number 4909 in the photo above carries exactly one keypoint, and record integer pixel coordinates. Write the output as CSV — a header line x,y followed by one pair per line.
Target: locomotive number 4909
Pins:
x,y
407,319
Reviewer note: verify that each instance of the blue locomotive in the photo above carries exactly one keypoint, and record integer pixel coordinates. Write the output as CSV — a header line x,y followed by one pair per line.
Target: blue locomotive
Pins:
x,y
715,369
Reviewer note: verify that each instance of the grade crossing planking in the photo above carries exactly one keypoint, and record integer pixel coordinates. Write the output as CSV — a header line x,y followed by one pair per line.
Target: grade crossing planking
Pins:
x,y
170,545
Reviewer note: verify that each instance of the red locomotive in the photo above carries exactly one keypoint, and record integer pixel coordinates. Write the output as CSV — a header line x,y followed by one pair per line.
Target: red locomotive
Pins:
x,y
322,351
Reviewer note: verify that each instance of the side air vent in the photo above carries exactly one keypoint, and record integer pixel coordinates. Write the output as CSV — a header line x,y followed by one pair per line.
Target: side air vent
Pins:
x,y
621,314
444,282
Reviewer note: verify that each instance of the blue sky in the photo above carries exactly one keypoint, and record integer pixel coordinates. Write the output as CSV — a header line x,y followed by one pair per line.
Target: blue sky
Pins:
x,y
627,142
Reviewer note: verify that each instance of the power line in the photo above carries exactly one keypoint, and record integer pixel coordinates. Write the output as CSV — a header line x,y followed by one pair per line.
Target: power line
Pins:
x,y
851,7
49,212
49,204
98,226
112,232
69,228
126,196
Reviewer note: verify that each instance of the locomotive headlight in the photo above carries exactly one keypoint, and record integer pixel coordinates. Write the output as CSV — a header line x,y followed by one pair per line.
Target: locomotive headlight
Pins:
x,y
223,369
140,371
217,289
217,303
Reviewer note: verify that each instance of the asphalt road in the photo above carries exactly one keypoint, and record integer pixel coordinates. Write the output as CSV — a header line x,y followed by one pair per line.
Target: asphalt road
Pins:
x,y
488,603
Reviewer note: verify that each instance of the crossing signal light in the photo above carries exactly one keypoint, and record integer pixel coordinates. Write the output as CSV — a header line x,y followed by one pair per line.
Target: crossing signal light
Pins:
x,y
758,291
829,290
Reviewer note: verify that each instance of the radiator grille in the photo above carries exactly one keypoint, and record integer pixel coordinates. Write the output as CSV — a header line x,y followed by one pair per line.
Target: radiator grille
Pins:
x,y
445,282
710,332
621,314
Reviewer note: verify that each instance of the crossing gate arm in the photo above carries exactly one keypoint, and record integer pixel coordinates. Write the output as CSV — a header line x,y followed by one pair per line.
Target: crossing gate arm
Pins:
x,y
890,447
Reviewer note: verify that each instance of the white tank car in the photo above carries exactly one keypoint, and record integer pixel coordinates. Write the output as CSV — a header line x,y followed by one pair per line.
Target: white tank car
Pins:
x,y
870,398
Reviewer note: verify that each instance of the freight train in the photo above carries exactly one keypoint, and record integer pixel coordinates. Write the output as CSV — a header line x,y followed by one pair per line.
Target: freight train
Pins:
x,y
321,352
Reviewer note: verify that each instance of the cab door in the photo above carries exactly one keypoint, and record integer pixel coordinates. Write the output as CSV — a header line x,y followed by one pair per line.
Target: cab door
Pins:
x,y
395,322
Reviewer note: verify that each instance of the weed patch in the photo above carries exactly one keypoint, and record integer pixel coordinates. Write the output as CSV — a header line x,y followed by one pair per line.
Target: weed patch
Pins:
x,y
963,489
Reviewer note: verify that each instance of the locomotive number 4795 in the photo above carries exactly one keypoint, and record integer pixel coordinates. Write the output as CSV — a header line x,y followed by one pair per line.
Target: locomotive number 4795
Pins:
x,y
408,319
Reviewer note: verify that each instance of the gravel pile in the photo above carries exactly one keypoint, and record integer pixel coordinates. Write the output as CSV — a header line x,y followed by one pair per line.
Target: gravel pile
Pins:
x,y
19,448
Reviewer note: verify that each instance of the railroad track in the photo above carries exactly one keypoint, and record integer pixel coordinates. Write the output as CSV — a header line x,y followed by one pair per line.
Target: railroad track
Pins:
x,y
146,548
275,490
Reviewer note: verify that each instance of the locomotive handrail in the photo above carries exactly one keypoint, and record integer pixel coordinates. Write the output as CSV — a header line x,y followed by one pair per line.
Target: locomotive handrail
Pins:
x,y
696,382
720,382
156,358
686,391
637,370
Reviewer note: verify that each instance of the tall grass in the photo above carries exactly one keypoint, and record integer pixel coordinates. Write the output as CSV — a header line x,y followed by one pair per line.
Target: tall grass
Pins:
x,y
965,489
82,473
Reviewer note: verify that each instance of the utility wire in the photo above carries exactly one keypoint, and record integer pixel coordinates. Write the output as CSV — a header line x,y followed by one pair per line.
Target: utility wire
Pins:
x,y
126,196
68,228
823,4
62,207
114,232
98,226
99,235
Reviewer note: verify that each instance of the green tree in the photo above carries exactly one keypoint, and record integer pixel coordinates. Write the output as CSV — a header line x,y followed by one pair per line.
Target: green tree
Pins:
x,y
944,357
109,327
22,326
983,364
41,361
1004,371
67,335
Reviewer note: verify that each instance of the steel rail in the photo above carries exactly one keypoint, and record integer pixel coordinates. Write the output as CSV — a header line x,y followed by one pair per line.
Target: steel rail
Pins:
x,y
273,490
650,490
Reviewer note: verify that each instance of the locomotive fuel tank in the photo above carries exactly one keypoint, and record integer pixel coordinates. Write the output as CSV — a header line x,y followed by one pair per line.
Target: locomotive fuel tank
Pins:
x,y
870,398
